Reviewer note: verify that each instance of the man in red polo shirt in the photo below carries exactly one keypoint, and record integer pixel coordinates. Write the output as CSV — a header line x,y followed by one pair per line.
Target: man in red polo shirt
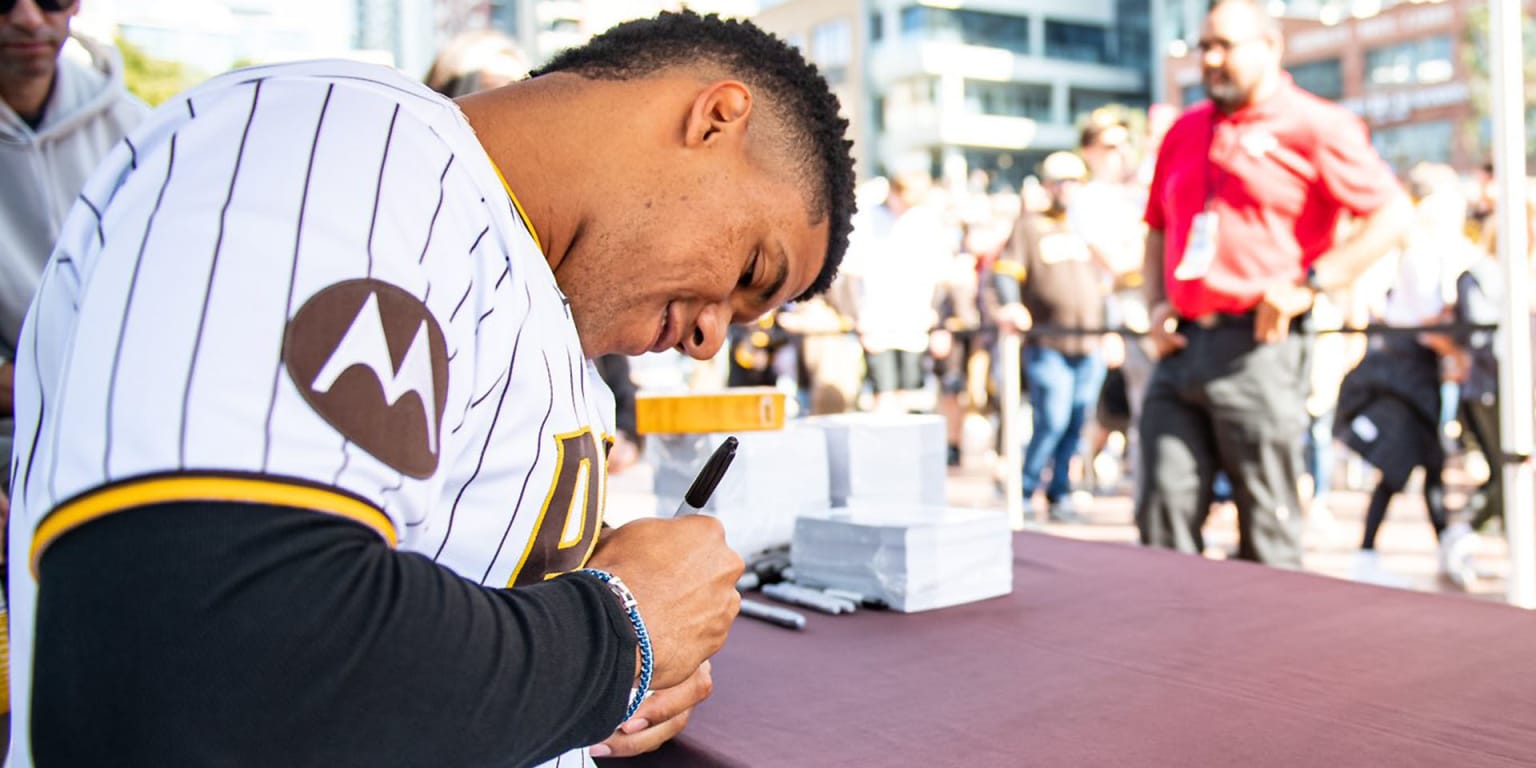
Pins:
x,y
1243,210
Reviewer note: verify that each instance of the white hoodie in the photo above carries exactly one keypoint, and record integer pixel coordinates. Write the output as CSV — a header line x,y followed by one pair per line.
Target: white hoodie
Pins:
x,y
44,170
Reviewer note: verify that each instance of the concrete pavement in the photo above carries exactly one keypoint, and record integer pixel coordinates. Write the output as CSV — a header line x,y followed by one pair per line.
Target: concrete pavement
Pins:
x,y
1406,541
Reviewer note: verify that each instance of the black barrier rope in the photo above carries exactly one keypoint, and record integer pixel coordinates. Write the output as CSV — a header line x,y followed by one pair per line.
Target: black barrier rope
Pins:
x,y
1369,330
1373,329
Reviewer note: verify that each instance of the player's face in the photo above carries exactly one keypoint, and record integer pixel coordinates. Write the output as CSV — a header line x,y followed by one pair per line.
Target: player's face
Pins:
x,y
688,255
1236,54
30,37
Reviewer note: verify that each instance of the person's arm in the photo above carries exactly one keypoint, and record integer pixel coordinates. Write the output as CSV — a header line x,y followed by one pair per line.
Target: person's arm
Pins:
x,y
205,633
1353,177
1161,318
1009,272
1153,286
1373,236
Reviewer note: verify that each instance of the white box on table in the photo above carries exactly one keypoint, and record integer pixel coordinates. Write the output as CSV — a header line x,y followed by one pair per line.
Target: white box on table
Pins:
x,y
895,458
913,559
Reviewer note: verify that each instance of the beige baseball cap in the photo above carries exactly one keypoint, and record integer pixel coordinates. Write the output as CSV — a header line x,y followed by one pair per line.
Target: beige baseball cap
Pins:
x,y
1061,166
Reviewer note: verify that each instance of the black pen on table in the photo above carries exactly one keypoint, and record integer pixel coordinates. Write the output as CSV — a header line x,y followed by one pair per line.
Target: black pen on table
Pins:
x,y
693,504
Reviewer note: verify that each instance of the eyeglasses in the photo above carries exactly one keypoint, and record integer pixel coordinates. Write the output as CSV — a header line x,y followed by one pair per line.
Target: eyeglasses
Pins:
x,y
1207,45
46,6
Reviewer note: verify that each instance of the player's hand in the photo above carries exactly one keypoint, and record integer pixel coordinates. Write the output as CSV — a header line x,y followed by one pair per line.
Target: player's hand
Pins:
x,y
683,577
1014,318
662,715
1280,304
1161,331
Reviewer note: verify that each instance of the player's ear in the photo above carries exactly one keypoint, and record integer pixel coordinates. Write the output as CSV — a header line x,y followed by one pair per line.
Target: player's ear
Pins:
x,y
720,110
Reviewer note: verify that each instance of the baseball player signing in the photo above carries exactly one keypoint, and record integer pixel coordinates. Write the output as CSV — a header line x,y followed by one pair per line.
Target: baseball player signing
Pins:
x,y
308,288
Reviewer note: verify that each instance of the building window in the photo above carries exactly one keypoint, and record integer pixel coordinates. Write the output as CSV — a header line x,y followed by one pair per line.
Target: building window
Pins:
x,y
1423,61
1132,40
502,15
1323,78
832,43
1405,145
832,49
919,92
876,27
1005,169
1076,42
1177,21
1008,99
950,25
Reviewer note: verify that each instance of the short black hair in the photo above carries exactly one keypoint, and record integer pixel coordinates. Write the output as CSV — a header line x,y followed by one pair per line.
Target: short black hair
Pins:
x,y
804,101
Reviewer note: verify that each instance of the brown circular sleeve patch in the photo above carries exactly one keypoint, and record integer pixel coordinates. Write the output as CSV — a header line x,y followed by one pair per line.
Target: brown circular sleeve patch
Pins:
x,y
371,360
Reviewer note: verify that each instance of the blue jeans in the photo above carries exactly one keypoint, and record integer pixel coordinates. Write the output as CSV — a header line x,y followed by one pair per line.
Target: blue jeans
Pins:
x,y
1319,454
1062,389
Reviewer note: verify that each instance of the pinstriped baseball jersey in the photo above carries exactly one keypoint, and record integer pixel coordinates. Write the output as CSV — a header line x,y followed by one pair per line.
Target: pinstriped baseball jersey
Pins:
x,y
337,306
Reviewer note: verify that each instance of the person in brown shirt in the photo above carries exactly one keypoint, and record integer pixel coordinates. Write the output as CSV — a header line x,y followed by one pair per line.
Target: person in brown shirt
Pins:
x,y
1047,281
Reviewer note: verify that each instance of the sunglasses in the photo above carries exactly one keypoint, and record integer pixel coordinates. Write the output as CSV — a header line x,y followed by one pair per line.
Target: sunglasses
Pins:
x,y
46,6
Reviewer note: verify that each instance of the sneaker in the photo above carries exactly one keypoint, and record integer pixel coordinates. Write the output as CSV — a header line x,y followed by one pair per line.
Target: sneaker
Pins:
x,y
952,456
1368,569
1063,510
1458,545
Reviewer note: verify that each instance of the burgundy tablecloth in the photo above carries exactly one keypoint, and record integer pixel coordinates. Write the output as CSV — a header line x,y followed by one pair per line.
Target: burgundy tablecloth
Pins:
x,y
1111,655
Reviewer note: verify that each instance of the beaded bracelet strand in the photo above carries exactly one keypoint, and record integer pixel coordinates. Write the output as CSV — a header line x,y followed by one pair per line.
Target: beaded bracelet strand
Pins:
x,y
647,655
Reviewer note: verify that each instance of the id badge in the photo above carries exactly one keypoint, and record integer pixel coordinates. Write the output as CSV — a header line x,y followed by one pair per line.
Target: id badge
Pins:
x,y
1200,251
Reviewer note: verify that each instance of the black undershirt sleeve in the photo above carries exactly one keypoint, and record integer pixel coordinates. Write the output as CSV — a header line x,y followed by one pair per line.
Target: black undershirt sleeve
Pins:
x,y
236,634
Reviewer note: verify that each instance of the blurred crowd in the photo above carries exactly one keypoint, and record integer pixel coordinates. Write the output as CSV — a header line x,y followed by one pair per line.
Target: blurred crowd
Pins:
x,y
916,317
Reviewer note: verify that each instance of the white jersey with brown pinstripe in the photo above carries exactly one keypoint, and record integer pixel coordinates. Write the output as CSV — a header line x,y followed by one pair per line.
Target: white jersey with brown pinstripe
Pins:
x,y
306,284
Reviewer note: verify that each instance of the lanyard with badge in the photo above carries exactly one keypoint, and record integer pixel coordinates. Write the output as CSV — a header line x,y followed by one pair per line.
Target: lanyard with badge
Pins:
x,y
1200,249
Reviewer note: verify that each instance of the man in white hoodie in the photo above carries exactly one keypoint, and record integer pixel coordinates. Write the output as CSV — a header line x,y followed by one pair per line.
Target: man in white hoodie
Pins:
x,y
61,108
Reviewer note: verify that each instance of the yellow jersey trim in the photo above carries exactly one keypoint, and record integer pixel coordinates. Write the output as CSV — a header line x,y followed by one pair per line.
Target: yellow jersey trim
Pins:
x,y
161,489
518,205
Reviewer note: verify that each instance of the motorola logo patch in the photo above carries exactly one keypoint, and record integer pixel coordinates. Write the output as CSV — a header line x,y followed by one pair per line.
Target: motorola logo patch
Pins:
x,y
371,360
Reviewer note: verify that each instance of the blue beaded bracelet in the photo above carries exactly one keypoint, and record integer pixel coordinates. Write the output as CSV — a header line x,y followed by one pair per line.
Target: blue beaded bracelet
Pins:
x,y
647,657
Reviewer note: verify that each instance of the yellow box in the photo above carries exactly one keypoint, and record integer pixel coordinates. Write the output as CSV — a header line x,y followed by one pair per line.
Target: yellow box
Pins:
x,y
740,409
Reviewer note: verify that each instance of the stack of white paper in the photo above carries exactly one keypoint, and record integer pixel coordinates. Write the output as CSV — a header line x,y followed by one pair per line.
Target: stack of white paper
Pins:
x,y
776,476
886,459
912,559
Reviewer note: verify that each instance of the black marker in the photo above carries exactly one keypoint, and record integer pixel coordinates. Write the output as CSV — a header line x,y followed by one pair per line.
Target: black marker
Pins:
x,y
709,477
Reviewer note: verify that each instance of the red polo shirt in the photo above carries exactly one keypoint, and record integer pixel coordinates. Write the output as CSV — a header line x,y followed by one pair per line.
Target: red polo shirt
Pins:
x,y
1278,175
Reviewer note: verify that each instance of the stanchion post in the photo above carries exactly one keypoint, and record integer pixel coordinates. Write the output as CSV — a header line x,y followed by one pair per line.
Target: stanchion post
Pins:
x,y
1515,392
1011,369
